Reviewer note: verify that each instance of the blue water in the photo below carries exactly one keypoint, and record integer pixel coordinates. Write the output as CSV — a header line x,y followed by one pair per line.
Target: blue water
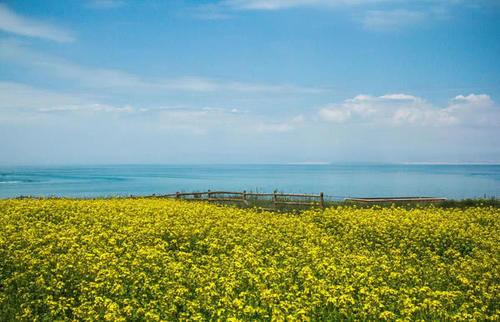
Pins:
x,y
336,181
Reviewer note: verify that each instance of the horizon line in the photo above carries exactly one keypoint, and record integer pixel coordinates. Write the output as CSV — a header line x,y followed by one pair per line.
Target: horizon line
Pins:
x,y
318,163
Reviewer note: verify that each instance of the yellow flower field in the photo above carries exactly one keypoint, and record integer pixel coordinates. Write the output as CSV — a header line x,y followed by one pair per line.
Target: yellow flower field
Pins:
x,y
156,259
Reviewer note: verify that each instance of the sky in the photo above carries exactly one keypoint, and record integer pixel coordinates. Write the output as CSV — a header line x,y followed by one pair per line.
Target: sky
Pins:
x,y
249,81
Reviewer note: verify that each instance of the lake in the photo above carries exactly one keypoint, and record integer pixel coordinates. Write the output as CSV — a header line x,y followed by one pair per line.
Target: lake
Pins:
x,y
336,181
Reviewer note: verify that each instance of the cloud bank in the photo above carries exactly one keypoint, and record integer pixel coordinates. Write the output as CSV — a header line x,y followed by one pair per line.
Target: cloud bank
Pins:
x,y
386,128
403,109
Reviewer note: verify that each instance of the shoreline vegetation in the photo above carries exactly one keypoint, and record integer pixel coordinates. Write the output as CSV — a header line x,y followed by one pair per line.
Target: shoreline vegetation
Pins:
x,y
155,259
269,205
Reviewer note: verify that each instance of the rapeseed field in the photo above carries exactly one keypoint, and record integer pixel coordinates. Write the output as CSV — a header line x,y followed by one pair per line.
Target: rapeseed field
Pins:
x,y
156,259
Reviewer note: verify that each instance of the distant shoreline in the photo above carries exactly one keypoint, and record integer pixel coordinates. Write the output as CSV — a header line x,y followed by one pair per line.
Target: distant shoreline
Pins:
x,y
320,163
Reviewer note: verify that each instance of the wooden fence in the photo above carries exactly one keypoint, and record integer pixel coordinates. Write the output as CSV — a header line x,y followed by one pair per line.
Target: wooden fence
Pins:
x,y
237,196
396,199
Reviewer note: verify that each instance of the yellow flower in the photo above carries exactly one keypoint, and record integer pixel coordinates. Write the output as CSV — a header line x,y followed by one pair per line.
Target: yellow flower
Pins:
x,y
164,260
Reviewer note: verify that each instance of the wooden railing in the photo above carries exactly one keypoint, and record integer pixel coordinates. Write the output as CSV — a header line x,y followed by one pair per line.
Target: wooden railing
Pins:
x,y
237,196
396,199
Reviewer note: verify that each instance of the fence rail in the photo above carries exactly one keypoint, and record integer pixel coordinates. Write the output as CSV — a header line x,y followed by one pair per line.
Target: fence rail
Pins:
x,y
396,199
242,196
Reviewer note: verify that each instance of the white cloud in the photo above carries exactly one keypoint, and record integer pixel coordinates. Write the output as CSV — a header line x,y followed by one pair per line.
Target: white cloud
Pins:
x,y
400,109
473,109
359,106
388,19
473,100
467,110
274,127
400,97
408,128
281,127
387,110
282,88
334,113
285,4
21,105
19,96
369,13
93,108
14,51
105,4
216,120
25,26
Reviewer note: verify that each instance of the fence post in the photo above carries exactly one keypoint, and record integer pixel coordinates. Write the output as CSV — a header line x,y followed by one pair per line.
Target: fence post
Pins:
x,y
244,195
209,194
274,198
177,195
321,201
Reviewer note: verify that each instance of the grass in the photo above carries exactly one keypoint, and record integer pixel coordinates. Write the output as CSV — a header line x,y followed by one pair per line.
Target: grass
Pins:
x,y
268,204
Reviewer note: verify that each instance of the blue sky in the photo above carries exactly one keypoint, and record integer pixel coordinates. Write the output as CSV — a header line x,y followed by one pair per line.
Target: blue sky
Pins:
x,y
249,81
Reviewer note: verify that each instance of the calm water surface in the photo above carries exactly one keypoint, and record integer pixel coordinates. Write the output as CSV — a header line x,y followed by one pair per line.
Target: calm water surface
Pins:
x,y
336,181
